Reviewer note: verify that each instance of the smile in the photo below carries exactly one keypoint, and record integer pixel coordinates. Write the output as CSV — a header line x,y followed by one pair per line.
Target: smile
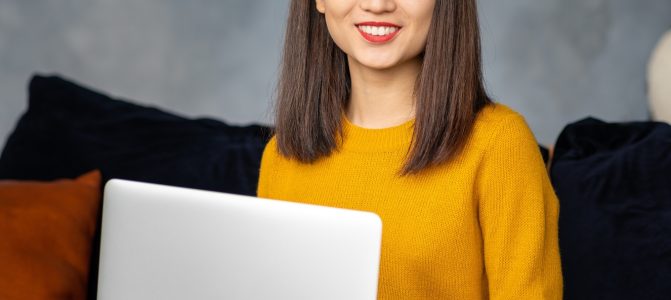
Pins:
x,y
378,32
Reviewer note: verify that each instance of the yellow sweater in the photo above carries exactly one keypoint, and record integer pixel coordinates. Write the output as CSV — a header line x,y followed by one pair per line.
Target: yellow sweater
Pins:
x,y
481,227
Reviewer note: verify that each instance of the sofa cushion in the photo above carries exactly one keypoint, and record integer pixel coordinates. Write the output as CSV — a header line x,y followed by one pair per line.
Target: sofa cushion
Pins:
x,y
613,181
69,129
46,230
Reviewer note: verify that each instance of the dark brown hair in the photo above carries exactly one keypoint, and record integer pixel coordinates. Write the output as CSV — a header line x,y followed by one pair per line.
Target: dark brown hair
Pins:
x,y
314,86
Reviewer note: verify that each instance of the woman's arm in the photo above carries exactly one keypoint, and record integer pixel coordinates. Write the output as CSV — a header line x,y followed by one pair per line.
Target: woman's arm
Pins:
x,y
518,214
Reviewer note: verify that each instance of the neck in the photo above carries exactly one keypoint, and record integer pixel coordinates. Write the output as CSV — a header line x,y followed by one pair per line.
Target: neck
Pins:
x,y
382,98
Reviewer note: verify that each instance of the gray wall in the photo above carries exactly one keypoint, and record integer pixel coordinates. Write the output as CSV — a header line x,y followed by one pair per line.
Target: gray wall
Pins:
x,y
214,58
555,61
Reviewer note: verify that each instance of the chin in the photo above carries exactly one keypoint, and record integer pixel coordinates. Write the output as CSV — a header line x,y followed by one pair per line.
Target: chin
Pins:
x,y
378,64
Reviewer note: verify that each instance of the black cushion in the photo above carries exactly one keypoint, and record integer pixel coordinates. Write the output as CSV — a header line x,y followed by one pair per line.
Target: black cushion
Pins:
x,y
69,129
545,153
613,181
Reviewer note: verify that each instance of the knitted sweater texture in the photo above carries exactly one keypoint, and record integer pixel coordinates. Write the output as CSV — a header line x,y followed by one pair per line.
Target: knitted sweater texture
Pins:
x,y
482,226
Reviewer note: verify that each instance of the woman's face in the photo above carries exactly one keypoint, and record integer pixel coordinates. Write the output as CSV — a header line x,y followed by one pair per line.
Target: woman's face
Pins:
x,y
378,34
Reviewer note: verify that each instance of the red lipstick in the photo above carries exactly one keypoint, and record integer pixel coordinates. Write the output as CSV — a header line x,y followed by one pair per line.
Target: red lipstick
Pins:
x,y
378,39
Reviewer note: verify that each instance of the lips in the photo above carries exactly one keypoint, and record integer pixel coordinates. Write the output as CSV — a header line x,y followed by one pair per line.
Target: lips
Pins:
x,y
378,32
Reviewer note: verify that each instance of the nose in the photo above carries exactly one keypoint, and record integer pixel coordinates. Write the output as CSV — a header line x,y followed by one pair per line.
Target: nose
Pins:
x,y
378,6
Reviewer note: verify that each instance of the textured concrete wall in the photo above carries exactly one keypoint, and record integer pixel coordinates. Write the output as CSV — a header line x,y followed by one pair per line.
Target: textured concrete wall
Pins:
x,y
197,58
555,61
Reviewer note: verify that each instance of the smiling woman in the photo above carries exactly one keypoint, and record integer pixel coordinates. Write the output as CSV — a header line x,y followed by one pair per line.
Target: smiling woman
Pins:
x,y
381,107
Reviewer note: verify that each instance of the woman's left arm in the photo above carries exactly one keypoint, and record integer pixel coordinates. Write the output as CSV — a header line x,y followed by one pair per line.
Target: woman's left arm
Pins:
x,y
518,215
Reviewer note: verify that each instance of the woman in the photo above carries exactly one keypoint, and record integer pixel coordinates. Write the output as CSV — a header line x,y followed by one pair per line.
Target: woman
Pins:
x,y
381,108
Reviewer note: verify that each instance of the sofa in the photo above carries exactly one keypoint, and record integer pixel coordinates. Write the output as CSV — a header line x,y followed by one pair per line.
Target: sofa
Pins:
x,y
613,181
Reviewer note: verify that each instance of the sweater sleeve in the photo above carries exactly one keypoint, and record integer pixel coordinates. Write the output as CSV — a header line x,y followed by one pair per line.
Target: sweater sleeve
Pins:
x,y
518,215
266,169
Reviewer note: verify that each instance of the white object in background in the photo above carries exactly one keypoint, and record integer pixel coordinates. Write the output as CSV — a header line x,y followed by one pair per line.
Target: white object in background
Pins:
x,y
163,242
659,80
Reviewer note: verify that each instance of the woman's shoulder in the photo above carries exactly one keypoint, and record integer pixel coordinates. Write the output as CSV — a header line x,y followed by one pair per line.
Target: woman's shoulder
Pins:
x,y
495,112
271,147
497,122
272,155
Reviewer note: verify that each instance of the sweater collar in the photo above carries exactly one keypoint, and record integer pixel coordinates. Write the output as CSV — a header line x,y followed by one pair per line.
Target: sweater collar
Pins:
x,y
388,139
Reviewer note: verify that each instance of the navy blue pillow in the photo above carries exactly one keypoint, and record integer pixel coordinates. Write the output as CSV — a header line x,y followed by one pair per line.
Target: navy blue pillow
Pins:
x,y
69,129
613,181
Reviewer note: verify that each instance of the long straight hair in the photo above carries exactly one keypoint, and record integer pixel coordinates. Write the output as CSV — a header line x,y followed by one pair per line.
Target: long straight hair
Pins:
x,y
315,85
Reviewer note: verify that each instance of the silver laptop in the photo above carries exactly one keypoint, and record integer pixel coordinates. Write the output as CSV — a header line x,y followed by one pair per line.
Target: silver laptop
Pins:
x,y
163,242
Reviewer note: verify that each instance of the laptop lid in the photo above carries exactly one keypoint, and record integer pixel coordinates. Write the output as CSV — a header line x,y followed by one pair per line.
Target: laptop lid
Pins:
x,y
164,242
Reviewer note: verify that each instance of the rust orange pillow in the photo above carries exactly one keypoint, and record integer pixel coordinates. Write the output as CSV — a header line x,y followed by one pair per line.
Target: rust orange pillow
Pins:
x,y
46,231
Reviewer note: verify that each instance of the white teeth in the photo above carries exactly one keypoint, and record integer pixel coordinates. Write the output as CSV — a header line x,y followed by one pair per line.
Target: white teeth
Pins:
x,y
378,30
